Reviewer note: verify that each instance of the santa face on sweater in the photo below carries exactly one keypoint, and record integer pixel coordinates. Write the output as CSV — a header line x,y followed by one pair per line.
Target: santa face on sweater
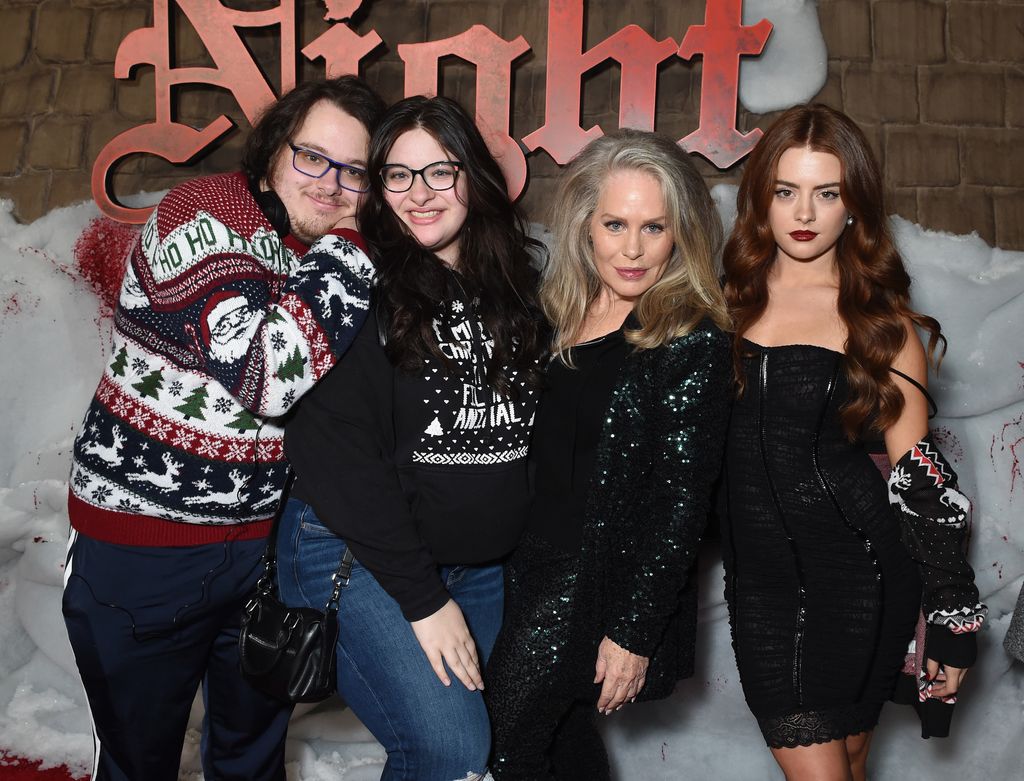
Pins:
x,y
229,323
316,205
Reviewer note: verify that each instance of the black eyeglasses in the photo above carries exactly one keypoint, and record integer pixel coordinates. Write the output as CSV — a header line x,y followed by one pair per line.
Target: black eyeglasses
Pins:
x,y
437,176
313,163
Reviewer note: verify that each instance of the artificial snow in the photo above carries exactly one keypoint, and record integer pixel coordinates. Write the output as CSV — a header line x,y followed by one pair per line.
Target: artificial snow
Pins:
x,y
793,66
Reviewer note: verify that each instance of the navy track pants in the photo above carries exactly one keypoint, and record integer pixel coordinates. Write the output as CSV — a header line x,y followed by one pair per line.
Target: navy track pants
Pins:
x,y
148,625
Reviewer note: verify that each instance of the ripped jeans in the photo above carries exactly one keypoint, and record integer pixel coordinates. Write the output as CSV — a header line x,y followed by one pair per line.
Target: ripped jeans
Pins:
x,y
430,732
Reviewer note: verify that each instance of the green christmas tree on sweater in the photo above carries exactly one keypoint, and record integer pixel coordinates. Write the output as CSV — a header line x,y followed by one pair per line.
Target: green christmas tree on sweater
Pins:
x,y
193,406
120,362
293,367
151,384
244,421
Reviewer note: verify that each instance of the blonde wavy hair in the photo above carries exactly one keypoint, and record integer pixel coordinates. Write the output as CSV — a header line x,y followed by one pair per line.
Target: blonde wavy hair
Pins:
x,y
688,290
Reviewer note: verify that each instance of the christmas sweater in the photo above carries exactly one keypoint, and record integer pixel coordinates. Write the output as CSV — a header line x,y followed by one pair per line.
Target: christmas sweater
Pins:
x,y
417,470
220,327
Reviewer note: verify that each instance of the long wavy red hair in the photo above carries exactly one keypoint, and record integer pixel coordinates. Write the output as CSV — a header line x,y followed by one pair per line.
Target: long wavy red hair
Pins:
x,y
874,287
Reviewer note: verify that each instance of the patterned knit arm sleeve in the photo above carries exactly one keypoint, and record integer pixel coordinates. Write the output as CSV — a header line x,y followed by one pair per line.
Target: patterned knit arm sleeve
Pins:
x,y
933,516
687,421
223,292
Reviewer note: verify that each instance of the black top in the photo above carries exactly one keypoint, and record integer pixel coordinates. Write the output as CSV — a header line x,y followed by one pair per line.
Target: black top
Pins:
x,y
566,435
419,470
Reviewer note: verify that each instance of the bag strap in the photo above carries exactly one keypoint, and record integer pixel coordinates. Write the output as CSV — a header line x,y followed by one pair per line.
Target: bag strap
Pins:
x,y
265,585
933,408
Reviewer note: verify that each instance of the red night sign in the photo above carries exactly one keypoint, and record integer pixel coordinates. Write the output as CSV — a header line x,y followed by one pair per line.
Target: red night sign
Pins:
x,y
721,40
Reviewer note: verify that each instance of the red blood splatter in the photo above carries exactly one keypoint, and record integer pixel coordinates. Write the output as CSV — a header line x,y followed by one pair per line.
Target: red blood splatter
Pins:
x,y
37,538
17,768
101,253
1011,438
948,443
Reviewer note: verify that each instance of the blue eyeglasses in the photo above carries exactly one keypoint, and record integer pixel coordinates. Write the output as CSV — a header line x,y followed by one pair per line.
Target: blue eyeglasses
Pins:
x,y
314,164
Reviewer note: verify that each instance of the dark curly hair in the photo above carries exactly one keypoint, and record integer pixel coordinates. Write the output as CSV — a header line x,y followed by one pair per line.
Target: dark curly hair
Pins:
x,y
279,120
874,287
494,262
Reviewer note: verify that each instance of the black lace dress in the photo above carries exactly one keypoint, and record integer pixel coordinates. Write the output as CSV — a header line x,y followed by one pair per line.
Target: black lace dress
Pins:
x,y
823,597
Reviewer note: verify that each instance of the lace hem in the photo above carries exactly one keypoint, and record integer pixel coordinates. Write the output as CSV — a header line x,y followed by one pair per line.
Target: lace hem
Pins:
x,y
819,726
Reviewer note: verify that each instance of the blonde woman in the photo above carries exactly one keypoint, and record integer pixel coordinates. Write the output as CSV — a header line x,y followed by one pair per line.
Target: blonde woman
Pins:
x,y
627,441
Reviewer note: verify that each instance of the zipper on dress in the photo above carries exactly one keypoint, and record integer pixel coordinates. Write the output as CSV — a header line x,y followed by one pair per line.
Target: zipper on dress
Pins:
x,y
858,533
801,612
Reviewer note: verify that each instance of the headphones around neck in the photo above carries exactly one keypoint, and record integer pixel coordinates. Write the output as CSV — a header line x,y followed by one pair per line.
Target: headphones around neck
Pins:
x,y
273,208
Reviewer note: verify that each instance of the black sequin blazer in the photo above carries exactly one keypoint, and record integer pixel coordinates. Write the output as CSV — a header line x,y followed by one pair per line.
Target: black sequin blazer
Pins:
x,y
660,450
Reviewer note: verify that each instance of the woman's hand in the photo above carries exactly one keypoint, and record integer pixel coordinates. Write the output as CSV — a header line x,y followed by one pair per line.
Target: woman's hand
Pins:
x,y
623,674
445,639
948,683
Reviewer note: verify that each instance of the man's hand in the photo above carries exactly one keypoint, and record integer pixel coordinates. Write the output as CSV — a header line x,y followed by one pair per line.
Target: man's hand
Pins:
x,y
623,674
445,639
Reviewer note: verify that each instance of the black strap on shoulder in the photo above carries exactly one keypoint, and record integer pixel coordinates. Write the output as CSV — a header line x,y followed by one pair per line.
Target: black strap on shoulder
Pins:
x,y
933,408
266,582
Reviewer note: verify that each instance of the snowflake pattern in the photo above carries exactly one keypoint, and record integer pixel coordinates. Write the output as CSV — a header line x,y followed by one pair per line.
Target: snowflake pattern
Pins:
x,y
81,481
128,506
222,405
278,341
101,493
139,462
202,485
457,306
289,397
175,388
207,448
237,451
139,366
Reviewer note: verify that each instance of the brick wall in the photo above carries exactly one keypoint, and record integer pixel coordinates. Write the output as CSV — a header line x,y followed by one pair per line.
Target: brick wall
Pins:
x,y
938,85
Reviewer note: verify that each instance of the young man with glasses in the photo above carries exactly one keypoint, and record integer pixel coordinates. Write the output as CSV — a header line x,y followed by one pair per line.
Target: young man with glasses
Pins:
x,y
241,292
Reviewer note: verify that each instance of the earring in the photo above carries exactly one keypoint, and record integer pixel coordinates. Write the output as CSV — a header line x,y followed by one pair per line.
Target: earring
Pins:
x,y
849,220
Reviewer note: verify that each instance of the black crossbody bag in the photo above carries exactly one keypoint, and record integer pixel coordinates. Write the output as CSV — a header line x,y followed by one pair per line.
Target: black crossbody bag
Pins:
x,y
289,652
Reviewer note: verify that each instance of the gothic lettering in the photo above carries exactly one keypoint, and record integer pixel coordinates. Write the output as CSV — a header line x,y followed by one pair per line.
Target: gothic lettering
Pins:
x,y
493,59
636,52
721,41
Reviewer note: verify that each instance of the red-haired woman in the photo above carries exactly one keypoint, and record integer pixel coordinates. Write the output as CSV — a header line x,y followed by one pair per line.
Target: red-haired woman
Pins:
x,y
826,569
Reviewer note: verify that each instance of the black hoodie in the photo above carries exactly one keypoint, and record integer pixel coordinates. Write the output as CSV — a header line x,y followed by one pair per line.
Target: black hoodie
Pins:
x,y
416,470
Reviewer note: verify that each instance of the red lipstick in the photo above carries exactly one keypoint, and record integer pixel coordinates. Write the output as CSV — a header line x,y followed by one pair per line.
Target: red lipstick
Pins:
x,y
803,235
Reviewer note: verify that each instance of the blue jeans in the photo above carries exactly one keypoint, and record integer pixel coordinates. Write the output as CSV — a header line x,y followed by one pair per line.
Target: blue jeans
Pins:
x,y
431,732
